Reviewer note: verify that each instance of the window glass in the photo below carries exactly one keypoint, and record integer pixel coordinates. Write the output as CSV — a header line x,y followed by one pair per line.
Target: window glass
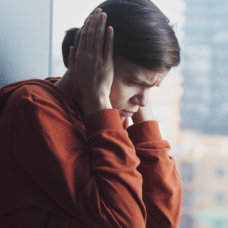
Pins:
x,y
192,103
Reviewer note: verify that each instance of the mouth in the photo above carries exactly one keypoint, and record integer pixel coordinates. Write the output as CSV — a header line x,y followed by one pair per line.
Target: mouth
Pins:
x,y
126,113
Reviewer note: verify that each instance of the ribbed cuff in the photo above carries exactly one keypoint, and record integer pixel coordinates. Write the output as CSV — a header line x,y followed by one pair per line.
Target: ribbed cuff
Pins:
x,y
102,120
147,131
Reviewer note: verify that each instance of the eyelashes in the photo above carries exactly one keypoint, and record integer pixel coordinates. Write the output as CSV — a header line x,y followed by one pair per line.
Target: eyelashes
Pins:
x,y
134,83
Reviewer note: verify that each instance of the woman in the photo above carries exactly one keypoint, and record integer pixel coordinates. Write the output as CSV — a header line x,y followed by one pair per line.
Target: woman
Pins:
x,y
68,156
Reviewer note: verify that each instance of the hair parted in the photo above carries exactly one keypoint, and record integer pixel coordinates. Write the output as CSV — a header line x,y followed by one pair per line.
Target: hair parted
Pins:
x,y
142,34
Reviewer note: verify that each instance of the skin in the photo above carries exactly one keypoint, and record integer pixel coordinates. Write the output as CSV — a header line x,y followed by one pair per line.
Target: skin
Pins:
x,y
96,81
131,89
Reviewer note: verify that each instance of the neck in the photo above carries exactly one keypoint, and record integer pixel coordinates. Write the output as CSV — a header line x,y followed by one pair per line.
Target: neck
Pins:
x,y
68,88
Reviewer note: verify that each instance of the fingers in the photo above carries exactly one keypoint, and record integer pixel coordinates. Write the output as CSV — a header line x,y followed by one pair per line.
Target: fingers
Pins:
x,y
82,42
100,34
71,59
108,53
91,33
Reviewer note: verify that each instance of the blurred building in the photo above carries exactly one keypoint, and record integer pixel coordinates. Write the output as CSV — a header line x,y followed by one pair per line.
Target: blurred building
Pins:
x,y
204,177
204,104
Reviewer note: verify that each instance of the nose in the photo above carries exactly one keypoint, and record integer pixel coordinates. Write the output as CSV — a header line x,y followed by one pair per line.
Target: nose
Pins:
x,y
141,98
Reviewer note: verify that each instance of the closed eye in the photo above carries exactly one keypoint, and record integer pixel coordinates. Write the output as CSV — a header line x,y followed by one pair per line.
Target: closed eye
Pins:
x,y
134,83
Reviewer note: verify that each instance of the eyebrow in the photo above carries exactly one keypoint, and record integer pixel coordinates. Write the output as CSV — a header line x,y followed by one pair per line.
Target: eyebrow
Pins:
x,y
145,84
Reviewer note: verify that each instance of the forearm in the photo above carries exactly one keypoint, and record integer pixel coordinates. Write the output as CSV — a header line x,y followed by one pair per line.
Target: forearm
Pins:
x,y
162,190
114,170
96,176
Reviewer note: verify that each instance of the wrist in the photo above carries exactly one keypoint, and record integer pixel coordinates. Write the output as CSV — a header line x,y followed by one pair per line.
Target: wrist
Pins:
x,y
143,115
96,104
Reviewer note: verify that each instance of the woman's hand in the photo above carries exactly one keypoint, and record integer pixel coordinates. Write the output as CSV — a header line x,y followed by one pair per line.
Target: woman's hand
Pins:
x,y
144,114
92,67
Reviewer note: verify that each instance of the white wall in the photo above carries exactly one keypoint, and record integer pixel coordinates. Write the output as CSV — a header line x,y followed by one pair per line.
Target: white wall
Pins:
x,y
25,39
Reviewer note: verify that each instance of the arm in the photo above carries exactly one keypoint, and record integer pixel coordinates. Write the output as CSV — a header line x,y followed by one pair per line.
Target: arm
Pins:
x,y
93,181
162,189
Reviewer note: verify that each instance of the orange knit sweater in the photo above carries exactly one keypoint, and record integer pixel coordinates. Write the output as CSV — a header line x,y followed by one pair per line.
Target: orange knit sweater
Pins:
x,y
58,170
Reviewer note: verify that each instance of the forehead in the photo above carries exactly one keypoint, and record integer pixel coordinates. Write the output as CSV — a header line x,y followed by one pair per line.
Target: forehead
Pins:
x,y
127,69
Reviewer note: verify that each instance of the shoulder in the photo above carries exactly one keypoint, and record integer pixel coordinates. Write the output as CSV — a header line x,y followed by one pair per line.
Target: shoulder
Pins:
x,y
35,95
34,92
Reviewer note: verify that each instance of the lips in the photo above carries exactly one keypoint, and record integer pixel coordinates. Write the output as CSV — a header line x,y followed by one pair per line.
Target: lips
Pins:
x,y
127,113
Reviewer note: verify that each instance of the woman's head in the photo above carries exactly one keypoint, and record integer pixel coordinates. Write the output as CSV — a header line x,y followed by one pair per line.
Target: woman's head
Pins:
x,y
145,48
142,34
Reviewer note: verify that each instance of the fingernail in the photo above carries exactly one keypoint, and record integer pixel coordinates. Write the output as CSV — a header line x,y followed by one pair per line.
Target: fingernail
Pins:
x,y
89,18
71,49
110,28
103,16
98,10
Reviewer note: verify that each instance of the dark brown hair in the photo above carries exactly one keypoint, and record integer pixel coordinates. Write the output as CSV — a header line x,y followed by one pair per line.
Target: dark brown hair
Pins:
x,y
67,42
142,34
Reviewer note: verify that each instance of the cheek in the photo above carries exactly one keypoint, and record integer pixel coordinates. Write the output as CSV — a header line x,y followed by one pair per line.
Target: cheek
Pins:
x,y
120,94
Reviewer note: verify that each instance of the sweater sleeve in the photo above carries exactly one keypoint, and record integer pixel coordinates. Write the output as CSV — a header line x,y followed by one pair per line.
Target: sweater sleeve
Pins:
x,y
162,189
93,179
